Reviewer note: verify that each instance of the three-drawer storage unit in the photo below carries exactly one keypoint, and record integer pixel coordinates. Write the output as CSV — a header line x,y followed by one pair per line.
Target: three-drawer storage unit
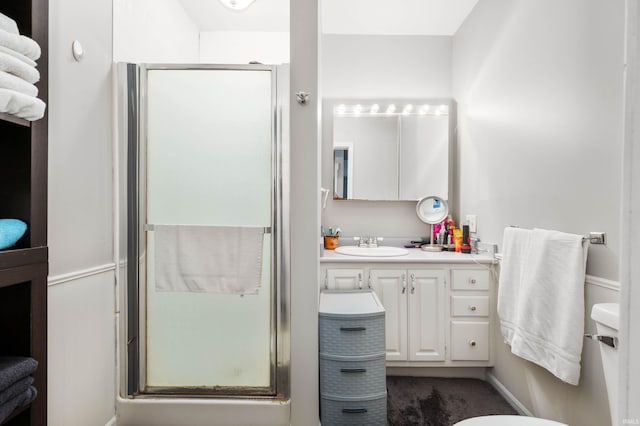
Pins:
x,y
353,388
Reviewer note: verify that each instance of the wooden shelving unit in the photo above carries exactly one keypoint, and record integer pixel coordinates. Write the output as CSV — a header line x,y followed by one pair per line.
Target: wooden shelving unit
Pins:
x,y
23,195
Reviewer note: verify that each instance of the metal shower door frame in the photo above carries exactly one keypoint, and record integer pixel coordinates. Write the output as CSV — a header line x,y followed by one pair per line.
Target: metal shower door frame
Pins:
x,y
133,88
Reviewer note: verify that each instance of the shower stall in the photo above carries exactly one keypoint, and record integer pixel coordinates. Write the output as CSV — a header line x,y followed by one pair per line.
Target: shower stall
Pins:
x,y
201,153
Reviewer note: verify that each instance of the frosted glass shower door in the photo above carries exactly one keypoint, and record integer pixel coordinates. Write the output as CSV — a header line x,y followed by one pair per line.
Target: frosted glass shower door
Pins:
x,y
210,162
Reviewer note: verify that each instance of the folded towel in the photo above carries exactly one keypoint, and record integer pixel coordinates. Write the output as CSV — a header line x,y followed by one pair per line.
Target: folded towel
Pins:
x,y
15,389
11,230
21,44
25,398
8,24
13,369
17,55
544,323
15,66
208,258
11,82
21,105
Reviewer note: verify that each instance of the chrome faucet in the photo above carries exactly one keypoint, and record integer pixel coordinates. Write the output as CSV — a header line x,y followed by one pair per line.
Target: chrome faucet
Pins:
x,y
370,242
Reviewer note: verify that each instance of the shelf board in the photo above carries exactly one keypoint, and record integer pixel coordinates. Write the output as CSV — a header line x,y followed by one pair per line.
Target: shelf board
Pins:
x,y
20,257
14,119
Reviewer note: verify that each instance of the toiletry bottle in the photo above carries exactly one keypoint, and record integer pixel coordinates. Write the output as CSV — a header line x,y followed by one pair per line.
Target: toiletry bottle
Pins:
x,y
466,246
450,241
457,239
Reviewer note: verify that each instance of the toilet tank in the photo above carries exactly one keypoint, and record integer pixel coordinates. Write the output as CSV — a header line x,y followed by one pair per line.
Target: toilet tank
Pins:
x,y
607,318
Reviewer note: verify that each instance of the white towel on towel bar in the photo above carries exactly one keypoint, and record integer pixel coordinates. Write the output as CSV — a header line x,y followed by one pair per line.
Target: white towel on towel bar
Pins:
x,y
541,298
12,65
8,24
219,259
21,105
21,44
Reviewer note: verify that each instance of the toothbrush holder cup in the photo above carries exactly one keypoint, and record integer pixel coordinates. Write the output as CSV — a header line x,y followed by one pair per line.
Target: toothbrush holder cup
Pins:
x,y
331,242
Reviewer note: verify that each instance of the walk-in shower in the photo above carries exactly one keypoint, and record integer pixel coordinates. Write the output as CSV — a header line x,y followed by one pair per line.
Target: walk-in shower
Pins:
x,y
200,159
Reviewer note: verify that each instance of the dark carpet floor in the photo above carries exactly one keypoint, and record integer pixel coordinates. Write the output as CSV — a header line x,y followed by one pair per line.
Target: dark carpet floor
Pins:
x,y
430,401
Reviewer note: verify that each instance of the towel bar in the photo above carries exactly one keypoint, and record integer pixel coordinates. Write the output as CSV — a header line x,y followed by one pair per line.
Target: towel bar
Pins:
x,y
593,237
596,238
607,340
151,227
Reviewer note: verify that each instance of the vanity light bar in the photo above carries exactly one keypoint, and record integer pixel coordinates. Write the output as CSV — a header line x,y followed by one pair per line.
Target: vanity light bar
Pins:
x,y
391,109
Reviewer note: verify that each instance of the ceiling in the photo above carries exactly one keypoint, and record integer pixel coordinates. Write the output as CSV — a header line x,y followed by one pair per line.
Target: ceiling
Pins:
x,y
392,17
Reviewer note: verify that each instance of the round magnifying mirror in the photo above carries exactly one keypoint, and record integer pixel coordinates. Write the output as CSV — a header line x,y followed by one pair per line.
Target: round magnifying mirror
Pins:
x,y
432,210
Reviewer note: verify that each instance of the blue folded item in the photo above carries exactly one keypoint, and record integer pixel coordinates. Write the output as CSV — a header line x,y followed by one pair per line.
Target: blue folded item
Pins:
x,y
11,230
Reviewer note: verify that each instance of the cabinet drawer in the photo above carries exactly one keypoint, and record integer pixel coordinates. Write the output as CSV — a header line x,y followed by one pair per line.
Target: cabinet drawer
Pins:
x,y
469,306
344,279
469,279
359,336
371,412
469,341
354,377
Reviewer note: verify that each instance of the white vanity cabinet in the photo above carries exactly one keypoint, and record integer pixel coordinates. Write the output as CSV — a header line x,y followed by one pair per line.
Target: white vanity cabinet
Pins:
x,y
469,302
344,278
414,302
438,313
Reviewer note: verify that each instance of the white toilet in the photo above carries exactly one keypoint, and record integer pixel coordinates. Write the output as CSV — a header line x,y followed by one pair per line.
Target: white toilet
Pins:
x,y
507,421
607,318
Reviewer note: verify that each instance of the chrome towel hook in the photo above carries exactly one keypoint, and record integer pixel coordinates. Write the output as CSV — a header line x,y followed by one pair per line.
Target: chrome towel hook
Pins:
x,y
302,97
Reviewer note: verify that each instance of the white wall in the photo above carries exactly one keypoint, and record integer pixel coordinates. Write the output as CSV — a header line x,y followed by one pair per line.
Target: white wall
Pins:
x,y
630,269
242,47
81,283
379,67
539,89
153,31
303,185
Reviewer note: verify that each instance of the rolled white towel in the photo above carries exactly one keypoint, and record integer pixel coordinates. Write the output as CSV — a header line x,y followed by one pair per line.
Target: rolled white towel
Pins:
x,y
15,66
17,55
28,47
8,24
21,105
10,81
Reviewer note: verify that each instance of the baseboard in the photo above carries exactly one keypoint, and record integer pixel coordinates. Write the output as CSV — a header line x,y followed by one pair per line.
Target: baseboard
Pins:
x,y
511,399
112,422
464,372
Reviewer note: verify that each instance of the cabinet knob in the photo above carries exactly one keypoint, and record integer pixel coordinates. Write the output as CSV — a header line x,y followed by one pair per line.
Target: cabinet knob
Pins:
x,y
472,280
472,343
472,308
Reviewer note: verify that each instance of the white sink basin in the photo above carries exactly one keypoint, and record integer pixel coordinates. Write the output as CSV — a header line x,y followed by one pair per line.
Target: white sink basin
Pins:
x,y
380,251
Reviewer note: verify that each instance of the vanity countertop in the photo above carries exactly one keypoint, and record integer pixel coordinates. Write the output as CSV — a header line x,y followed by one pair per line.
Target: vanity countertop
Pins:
x,y
415,255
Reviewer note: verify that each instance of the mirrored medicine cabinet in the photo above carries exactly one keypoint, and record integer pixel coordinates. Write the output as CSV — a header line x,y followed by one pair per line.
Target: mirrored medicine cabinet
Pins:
x,y
391,149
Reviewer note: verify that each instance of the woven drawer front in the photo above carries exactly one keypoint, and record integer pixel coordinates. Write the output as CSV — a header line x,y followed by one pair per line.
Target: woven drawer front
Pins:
x,y
361,336
353,378
372,412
